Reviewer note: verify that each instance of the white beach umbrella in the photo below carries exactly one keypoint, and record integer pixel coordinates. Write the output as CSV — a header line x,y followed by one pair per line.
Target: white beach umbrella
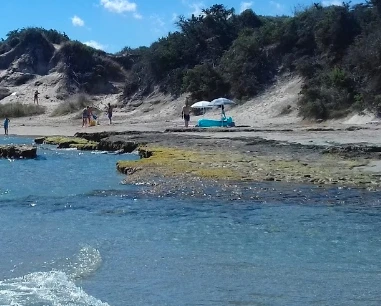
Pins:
x,y
221,101
201,104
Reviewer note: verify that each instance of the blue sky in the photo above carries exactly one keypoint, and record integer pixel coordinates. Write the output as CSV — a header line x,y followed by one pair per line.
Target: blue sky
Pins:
x,y
113,24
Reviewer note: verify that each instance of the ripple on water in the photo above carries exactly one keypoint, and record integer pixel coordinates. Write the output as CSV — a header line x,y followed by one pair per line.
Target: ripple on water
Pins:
x,y
79,236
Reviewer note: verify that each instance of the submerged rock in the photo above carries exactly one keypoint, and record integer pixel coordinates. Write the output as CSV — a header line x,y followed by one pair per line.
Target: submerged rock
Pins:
x,y
116,143
39,140
18,152
68,142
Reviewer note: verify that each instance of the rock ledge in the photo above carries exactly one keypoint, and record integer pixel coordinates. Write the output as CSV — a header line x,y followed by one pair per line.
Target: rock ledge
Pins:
x,y
18,151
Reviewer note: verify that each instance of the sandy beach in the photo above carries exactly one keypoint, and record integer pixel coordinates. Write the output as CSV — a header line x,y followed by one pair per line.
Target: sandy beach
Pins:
x,y
158,113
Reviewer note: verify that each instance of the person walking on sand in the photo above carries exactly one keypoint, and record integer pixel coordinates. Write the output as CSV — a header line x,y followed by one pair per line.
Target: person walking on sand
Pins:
x,y
85,115
36,93
6,125
109,112
185,114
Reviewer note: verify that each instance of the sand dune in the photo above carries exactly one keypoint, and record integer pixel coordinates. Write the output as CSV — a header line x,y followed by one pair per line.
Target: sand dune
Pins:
x,y
276,108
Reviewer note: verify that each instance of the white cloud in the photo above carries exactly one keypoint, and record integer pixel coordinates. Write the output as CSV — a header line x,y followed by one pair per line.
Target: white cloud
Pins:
x,y
195,7
137,16
158,21
174,17
95,45
245,6
77,22
332,2
158,24
121,7
277,5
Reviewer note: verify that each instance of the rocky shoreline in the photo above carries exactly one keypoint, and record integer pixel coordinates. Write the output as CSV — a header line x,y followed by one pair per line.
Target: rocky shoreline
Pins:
x,y
18,152
178,158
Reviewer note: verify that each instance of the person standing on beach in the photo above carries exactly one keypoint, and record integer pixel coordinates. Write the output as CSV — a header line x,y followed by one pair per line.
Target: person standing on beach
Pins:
x,y
85,116
89,114
223,112
185,114
36,93
6,125
109,112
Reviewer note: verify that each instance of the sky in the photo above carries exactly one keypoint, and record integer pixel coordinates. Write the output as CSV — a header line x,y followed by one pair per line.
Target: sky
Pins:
x,y
111,25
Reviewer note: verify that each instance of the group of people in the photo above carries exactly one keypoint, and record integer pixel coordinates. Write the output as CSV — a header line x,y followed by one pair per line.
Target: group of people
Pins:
x,y
88,116
87,113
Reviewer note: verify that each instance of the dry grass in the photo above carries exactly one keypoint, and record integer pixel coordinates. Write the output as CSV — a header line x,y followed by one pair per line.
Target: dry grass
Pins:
x,y
16,110
73,105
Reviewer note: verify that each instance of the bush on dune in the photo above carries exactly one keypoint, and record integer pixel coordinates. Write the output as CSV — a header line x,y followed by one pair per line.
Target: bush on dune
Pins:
x,y
73,105
89,69
16,110
220,53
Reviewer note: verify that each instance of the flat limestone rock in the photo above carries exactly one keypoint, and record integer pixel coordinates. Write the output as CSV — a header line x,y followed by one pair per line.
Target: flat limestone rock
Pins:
x,y
18,151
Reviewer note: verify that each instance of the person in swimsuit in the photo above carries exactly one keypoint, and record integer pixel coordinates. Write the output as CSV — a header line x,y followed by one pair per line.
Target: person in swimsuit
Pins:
x,y
89,114
185,114
85,116
6,125
36,93
109,112
223,116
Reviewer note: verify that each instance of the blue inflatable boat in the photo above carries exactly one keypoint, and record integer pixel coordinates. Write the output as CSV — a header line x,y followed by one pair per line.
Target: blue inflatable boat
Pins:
x,y
225,122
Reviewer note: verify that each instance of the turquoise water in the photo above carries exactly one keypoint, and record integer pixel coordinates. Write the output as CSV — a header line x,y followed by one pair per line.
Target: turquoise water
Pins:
x,y
72,234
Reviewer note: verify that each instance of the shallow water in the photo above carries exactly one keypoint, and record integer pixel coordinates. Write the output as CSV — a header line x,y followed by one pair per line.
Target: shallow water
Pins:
x,y
72,234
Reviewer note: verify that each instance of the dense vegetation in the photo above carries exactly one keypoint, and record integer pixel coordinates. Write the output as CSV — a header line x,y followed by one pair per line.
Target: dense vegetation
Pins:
x,y
87,68
219,53
336,49
16,36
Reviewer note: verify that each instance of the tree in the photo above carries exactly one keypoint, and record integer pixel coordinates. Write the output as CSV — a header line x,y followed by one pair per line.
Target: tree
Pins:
x,y
248,19
246,67
377,5
204,83
336,29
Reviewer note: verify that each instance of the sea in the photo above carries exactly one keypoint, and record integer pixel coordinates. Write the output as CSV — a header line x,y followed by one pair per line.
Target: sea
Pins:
x,y
72,233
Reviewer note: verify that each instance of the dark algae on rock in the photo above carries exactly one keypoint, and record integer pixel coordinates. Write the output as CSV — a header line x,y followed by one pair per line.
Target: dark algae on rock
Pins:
x,y
18,152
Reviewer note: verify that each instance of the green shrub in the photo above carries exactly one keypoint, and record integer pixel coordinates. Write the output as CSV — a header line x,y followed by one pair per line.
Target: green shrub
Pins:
x,y
338,78
203,82
55,37
16,110
313,109
246,66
